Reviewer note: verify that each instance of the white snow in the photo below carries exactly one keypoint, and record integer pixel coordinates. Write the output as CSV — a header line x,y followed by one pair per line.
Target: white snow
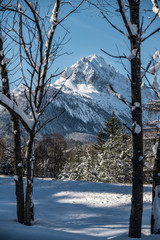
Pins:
x,y
154,8
11,105
85,92
72,210
155,148
5,61
154,69
137,128
53,18
32,5
4,80
85,84
136,105
133,27
133,54
16,178
156,55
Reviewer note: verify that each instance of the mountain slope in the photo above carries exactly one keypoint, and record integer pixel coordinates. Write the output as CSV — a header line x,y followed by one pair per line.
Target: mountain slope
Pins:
x,y
85,97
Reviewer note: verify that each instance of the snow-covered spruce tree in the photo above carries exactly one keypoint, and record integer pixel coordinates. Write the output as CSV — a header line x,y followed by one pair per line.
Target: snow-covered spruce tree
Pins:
x,y
113,161
106,161
73,156
15,128
112,153
110,129
38,47
80,163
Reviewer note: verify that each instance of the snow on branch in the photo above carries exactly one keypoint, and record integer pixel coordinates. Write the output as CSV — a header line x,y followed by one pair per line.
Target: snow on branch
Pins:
x,y
29,57
155,7
155,122
114,93
48,45
32,5
131,28
5,61
156,10
15,178
136,128
133,54
154,69
54,15
155,149
12,107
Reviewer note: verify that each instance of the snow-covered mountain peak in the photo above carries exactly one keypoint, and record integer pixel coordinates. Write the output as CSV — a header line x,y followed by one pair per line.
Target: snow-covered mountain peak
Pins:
x,y
89,74
85,98
19,90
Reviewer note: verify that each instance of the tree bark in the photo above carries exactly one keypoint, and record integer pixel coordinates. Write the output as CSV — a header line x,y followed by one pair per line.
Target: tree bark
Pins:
x,y
137,130
16,140
29,205
18,169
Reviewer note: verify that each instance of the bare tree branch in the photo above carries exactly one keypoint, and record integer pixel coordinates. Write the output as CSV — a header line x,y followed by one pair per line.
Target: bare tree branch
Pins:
x,y
123,56
114,93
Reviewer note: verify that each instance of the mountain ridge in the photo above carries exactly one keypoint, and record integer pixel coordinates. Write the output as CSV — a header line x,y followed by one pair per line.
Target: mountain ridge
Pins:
x,y
86,98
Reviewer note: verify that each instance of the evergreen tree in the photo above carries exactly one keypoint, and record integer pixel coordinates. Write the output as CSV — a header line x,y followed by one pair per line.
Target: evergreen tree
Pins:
x,y
106,161
111,127
113,162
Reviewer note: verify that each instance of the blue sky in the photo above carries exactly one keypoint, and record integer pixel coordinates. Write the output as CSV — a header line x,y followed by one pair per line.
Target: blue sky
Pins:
x,y
89,32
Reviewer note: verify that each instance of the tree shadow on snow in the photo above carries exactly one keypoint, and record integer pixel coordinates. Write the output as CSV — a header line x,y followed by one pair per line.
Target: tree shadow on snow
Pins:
x,y
71,208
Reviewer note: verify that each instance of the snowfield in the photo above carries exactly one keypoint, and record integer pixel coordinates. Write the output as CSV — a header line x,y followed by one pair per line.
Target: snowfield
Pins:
x,y
72,210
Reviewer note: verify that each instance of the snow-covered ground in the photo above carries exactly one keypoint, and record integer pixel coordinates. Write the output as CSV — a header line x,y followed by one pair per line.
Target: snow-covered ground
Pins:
x,y
72,210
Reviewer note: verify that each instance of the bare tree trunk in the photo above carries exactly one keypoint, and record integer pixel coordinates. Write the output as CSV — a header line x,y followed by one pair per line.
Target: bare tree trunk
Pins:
x,y
29,205
16,140
137,160
18,169
155,217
